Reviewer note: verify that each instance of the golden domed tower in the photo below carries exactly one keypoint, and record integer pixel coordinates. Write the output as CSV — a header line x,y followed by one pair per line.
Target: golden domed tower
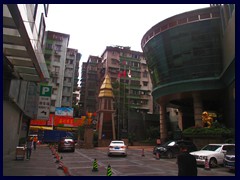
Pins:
x,y
106,126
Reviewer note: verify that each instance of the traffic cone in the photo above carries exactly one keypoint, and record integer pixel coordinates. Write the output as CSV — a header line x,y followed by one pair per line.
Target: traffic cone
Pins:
x,y
57,158
206,165
53,151
143,152
95,166
60,165
66,172
109,171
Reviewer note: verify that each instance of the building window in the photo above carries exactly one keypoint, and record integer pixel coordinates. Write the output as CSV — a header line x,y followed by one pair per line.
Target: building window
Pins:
x,y
57,47
145,74
53,102
54,79
49,46
56,59
55,91
145,83
42,28
35,11
114,61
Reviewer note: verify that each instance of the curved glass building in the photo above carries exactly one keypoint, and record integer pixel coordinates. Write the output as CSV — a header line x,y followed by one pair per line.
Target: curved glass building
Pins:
x,y
185,55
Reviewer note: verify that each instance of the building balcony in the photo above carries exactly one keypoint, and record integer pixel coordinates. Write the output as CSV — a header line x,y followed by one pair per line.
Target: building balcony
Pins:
x,y
69,66
68,84
66,103
53,97
68,74
66,93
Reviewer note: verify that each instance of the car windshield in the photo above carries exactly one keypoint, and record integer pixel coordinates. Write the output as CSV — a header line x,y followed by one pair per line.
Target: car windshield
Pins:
x,y
211,147
169,143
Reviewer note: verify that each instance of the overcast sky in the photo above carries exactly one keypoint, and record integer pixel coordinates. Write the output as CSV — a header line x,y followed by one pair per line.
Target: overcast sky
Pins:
x,y
92,27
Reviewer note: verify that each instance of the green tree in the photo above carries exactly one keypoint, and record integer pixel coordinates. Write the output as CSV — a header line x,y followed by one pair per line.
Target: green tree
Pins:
x,y
153,132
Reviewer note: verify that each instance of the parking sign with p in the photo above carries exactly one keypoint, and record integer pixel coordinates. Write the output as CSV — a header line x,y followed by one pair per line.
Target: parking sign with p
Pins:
x,y
45,91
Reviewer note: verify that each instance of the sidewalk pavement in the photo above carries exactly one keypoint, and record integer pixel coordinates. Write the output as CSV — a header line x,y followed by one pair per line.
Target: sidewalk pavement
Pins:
x,y
42,163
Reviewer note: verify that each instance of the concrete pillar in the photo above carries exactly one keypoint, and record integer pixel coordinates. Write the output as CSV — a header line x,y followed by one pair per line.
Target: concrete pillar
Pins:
x,y
180,119
163,127
100,125
198,109
113,127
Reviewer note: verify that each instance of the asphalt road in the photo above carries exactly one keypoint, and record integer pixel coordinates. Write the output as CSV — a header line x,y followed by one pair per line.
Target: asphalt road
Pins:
x,y
137,163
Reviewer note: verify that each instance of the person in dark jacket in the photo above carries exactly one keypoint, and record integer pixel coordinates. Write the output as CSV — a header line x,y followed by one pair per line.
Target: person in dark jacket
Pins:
x,y
187,165
29,145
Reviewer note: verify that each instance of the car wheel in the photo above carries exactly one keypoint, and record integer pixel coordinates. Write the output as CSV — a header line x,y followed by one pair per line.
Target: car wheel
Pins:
x,y
213,163
169,155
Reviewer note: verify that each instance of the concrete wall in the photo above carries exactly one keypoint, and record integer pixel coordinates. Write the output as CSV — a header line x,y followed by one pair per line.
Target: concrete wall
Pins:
x,y
11,124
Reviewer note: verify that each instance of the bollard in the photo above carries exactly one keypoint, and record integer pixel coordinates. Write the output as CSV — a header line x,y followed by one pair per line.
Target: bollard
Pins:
x,y
109,171
95,166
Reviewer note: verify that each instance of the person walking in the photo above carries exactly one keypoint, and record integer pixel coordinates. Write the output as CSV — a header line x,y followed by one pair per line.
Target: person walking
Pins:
x,y
29,145
187,165
35,139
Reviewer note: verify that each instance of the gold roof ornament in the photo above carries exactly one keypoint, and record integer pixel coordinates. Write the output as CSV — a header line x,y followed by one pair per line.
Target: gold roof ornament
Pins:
x,y
106,88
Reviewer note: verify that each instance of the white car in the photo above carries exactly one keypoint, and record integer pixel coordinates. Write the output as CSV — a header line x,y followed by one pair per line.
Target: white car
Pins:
x,y
214,153
117,147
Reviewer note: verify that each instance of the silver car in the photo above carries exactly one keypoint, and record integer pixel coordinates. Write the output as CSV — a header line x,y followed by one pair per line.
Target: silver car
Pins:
x,y
213,153
117,147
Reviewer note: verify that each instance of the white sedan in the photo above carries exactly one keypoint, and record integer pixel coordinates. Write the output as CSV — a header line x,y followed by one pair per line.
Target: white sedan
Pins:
x,y
214,153
117,147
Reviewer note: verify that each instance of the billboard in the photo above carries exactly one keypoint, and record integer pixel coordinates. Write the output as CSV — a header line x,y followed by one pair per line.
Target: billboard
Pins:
x,y
64,111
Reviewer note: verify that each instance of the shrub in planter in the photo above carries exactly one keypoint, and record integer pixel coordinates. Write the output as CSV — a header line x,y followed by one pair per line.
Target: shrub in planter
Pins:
x,y
216,129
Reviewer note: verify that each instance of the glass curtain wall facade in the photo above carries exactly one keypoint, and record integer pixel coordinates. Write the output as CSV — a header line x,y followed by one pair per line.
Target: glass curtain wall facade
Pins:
x,y
184,54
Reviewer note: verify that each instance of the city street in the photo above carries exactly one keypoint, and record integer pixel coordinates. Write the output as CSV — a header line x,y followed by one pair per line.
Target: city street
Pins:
x,y
80,163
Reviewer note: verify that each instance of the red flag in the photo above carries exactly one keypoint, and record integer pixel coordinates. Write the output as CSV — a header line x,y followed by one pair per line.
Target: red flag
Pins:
x,y
124,73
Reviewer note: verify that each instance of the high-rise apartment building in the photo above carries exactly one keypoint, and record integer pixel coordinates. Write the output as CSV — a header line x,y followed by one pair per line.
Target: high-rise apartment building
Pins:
x,y
131,83
76,88
90,84
61,62
132,88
